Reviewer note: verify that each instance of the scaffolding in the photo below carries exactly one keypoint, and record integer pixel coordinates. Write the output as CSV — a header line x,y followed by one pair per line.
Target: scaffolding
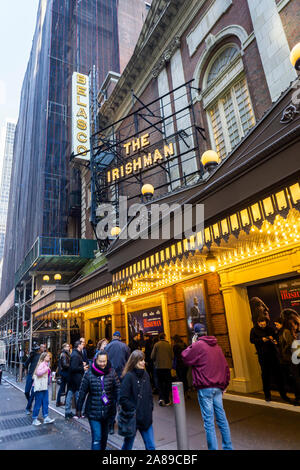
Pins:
x,y
169,122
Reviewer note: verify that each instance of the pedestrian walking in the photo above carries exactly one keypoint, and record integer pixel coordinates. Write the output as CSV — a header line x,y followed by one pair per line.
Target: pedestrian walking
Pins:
x,y
84,352
31,364
101,385
263,336
135,343
101,345
210,377
76,372
136,399
41,377
118,354
90,351
149,362
178,364
162,356
63,371
155,340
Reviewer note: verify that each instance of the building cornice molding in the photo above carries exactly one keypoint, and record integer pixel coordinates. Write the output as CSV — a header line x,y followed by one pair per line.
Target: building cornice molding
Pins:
x,y
145,58
166,56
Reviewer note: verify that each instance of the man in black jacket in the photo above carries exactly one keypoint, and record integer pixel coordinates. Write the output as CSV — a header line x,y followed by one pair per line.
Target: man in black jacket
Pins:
x,y
76,372
118,354
263,337
63,370
31,364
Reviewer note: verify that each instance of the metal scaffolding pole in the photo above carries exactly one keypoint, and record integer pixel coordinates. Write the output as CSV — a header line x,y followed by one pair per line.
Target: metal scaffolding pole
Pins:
x,y
17,336
31,319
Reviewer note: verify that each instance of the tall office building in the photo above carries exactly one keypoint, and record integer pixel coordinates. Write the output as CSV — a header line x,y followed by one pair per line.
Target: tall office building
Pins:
x,y
7,158
86,36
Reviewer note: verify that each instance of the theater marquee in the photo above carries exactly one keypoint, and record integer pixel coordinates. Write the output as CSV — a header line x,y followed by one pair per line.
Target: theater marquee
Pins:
x,y
80,116
143,161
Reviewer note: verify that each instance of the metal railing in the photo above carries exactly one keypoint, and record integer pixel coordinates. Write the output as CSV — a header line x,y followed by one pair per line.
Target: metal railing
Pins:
x,y
50,246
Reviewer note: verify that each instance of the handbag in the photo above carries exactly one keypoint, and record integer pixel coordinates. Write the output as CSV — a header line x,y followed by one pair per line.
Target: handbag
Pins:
x,y
126,423
127,419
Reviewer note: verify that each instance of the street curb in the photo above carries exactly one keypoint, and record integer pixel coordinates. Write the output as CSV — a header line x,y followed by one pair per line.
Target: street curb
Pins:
x,y
261,402
111,444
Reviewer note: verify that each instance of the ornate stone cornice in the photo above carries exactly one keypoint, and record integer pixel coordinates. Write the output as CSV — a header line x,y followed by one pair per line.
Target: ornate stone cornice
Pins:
x,y
166,56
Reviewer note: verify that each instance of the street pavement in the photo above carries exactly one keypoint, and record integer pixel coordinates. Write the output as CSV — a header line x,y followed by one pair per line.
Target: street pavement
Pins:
x,y
17,432
253,426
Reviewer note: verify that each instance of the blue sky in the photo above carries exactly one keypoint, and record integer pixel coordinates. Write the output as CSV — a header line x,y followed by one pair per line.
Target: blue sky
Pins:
x,y
17,24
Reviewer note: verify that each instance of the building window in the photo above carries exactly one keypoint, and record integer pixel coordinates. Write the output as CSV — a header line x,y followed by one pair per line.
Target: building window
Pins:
x,y
221,62
227,101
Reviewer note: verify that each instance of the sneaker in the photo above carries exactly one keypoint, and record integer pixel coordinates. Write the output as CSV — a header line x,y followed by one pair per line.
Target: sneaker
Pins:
x,y
28,412
69,415
48,420
36,422
161,403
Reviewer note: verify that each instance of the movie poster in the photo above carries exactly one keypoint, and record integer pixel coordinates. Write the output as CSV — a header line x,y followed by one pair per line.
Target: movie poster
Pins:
x,y
276,296
289,292
194,307
148,321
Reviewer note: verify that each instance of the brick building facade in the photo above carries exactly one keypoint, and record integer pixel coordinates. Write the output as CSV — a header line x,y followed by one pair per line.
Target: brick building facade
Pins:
x,y
226,64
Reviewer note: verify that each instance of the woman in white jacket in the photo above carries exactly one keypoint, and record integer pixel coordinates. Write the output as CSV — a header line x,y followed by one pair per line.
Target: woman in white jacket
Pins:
x,y
40,382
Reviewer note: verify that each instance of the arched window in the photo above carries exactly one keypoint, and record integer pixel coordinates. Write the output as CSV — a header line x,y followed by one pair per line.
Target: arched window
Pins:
x,y
222,61
226,100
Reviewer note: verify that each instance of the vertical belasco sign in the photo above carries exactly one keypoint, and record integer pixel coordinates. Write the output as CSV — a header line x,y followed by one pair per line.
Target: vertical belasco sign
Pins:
x,y
80,116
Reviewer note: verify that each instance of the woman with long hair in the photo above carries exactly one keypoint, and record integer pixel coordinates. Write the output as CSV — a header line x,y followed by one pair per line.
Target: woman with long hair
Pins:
x,y
136,395
102,386
101,345
40,383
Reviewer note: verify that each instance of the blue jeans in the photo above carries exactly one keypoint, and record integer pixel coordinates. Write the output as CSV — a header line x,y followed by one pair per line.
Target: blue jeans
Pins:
x,y
211,403
29,391
69,397
41,400
148,438
99,431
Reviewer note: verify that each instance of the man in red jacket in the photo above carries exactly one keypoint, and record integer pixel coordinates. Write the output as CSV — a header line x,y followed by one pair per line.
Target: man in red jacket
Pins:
x,y
210,377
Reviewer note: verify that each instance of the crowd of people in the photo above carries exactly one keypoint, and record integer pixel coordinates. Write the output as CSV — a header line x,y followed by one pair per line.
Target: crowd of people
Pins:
x,y
277,343
115,382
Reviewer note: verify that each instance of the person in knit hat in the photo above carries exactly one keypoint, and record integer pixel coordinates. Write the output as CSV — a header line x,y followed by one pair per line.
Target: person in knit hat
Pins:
x,y
211,378
101,385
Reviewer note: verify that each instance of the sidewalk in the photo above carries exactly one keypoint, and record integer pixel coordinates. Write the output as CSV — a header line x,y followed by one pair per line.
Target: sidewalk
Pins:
x,y
254,423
